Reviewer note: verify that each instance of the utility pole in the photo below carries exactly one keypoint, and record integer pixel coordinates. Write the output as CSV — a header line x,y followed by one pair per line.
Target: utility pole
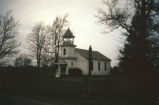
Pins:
x,y
57,73
86,90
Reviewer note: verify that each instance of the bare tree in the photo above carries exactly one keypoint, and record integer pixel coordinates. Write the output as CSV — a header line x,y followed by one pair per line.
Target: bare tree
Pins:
x,y
8,35
37,39
55,31
116,15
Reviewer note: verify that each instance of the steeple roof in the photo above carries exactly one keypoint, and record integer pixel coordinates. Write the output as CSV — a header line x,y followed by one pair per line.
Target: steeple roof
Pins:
x,y
68,34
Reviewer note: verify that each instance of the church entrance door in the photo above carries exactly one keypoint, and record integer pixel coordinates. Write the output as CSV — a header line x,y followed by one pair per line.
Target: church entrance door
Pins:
x,y
63,69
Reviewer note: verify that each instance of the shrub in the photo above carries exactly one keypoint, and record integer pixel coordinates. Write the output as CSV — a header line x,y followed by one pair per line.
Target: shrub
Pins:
x,y
75,72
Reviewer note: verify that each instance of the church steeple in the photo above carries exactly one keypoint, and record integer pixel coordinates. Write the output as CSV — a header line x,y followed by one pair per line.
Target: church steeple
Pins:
x,y
68,38
68,34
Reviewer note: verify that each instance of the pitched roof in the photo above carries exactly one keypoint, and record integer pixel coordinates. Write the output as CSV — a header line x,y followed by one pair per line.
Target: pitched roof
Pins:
x,y
95,54
68,34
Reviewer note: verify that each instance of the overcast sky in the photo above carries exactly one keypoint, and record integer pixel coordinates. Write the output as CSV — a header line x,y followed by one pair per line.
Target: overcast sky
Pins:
x,y
83,22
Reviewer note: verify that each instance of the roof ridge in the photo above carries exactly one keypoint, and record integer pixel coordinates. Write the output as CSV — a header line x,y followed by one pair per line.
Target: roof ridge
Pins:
x,y
87,50
95,54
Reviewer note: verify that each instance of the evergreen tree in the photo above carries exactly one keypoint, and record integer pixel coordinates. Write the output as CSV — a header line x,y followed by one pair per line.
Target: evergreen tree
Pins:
x,y
136,57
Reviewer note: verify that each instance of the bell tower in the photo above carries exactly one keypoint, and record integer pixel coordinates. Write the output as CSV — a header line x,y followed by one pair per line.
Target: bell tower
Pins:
x,y
68,46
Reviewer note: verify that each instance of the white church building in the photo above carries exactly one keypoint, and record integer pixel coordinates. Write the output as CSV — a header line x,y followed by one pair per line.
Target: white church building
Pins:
x,y
75,58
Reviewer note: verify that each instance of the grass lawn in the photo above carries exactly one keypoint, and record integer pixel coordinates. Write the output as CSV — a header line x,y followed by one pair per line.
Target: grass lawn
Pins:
x,y
70,90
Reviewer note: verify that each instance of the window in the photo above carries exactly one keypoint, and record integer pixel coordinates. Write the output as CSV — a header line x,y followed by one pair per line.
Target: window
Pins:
x,y
99,66
64,51
71,63
92,65
105,66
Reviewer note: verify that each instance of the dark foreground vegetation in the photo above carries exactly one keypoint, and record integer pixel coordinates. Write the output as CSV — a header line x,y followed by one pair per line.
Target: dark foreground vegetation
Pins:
x,y
103,90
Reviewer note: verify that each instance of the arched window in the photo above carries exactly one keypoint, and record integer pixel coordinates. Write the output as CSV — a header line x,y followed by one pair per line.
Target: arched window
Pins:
x,y
64,51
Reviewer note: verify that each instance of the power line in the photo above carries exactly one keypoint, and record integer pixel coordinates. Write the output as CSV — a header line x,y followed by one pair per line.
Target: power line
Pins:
x,y
24,4
44,8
